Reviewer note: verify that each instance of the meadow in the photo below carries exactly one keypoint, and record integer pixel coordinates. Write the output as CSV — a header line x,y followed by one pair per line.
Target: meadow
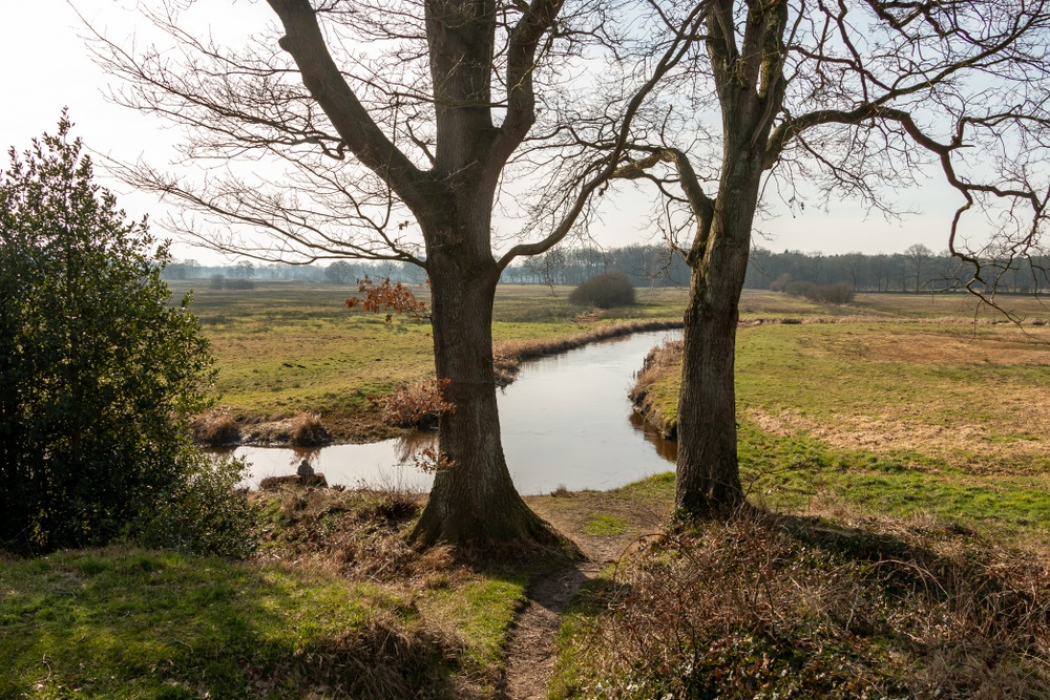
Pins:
x,y
285,348
895,454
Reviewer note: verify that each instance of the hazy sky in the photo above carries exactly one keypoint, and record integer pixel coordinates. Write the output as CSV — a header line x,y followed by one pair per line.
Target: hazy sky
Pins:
x,y
47,66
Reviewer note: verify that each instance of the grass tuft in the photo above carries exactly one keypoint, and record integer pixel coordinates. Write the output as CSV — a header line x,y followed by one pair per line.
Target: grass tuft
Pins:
x,y
218,428
418,405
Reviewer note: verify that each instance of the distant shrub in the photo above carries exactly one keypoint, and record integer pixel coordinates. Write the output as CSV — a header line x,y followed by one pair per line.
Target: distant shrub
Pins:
x,y
798,288
780,283
837,293
604,291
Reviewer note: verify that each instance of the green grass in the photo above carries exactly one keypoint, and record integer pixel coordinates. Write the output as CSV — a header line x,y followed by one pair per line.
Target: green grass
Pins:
x,y
601,525
658,487
793,473
903,406
125,623
336,605
283,348
482,611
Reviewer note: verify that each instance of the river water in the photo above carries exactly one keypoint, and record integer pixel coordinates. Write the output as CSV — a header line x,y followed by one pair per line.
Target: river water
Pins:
x,y
566,421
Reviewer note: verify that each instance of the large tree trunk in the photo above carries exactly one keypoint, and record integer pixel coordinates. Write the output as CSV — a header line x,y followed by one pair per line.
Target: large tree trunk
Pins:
x,y
473,500
708,474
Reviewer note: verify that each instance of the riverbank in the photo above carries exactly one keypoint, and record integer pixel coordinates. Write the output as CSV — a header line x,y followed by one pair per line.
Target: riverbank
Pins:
x,y
295,366
566,422
889,417
287,350
821,603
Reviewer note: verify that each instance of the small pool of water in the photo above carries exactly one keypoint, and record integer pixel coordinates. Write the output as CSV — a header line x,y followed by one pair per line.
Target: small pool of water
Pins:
x,y
566,421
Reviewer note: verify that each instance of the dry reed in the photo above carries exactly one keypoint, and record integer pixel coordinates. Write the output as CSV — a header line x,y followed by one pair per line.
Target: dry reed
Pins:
x,y
218,428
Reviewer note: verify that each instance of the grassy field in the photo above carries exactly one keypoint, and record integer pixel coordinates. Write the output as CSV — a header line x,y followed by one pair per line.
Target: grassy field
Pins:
x,y
898,453
896,450
895,410
283,348
335,605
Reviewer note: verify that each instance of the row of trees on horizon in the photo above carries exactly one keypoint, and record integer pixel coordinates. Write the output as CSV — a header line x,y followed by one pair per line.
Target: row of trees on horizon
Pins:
x,y
917,269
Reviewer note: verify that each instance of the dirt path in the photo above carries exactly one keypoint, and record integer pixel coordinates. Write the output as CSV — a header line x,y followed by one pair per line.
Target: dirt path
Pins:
x,y
532,647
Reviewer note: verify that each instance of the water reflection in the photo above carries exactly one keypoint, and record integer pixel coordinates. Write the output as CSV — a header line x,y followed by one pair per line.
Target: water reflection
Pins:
x,y
563,424
667,449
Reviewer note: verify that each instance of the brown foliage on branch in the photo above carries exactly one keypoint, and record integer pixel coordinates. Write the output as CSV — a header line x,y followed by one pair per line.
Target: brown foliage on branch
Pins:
x,y
431,460
384,296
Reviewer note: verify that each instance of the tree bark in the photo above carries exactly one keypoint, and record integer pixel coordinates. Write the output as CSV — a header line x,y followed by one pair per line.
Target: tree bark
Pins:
x,y
473,500
708,474
708,478
750,88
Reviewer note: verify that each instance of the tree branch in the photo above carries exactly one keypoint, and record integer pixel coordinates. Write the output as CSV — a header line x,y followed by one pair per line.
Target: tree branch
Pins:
x,y
305,43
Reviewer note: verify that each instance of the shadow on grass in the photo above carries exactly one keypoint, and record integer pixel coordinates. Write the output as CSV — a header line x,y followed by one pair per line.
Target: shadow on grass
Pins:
x,y
121,623
768,605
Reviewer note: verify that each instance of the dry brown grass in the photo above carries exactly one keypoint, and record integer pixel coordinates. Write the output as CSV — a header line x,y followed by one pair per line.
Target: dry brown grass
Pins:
x,y
222,427
418,405
351,534
989,345
785,606
381,659
971,445
304,429
307,430
218,428
967,396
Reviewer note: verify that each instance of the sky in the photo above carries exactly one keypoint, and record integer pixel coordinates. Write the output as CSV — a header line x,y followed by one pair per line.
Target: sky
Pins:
x,y
47,66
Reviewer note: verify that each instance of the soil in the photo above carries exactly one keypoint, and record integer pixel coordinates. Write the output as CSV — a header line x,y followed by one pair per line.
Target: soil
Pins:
x,y
531,649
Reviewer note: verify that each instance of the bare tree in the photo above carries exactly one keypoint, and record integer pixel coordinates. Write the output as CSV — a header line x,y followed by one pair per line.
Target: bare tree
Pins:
x,y
919,257
807,99
394,122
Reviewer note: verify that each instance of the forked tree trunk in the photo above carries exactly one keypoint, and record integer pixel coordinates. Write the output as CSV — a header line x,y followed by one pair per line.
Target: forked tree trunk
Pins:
x,y
473,500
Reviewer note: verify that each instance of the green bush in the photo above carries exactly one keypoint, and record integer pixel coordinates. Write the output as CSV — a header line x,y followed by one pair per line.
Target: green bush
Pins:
x,y
202,513
604,291
98,373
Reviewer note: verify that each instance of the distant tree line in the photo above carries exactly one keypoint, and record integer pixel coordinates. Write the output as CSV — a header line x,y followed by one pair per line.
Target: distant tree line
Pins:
x,y
236,276
644,265
917,269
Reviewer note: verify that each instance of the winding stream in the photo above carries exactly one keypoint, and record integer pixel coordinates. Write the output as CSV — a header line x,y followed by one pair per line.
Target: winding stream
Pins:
x,y
566,421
